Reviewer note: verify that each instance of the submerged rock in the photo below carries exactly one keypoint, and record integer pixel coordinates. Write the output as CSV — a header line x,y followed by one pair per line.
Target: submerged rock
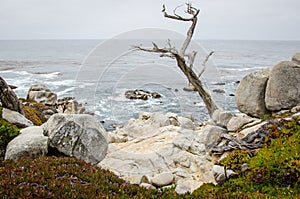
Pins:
x,y
141,94
220,91
189,88
219,83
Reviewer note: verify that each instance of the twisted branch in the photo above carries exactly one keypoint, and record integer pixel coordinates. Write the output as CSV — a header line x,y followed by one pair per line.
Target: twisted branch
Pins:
x,y
185,61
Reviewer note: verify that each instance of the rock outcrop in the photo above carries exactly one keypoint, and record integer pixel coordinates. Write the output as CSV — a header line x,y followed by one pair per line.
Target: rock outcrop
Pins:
x,y
81,136
69,105
155,146
250,93
31,143
8,98
283,88
41,94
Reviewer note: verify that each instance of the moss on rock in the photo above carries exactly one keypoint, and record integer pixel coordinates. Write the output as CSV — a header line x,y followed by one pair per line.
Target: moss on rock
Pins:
x,y
34,112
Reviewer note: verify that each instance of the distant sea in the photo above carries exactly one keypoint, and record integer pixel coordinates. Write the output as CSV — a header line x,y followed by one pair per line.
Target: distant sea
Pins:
x,y
75,68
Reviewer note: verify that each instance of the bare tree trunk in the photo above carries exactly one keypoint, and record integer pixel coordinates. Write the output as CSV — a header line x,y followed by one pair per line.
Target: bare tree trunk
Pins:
x,y
185,61
208,100
8,98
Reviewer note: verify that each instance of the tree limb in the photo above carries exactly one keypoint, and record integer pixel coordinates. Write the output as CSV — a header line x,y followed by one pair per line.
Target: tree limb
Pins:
x,y
210,104
191,11
204,63
185,61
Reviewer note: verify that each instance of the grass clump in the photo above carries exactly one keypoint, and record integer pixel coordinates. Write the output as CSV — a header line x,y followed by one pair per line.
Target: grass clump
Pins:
x,y
8,132
34,115
236,159
278,163
274,172
34,112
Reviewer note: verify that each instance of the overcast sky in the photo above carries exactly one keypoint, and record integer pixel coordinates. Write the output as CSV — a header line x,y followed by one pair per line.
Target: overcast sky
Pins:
x,y
102,19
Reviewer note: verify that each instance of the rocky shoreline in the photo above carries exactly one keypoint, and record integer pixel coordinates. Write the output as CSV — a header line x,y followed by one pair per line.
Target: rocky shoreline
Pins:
x,y
158,150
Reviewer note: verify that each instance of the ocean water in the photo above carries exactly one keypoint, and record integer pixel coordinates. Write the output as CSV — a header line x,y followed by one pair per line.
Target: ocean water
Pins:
x,y
99,72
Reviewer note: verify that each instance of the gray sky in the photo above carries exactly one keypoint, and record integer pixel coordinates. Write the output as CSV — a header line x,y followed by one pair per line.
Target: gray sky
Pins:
x,y
101,19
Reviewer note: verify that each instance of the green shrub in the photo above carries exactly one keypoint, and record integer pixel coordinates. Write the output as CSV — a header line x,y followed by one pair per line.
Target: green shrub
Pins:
x,y
7,133
236,159
278,163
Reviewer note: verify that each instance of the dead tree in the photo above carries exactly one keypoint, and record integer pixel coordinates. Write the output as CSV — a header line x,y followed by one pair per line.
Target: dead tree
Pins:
x,y
185,61
8,98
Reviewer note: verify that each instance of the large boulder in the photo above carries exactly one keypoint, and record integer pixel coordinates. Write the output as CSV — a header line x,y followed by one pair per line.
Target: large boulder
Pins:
x,y
31,143
16,118
81,136
41,94
283,88
250,93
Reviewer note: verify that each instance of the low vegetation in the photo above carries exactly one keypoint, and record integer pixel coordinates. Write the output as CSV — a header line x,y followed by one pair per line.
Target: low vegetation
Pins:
x,y
272,172
34,112
7,133
52,177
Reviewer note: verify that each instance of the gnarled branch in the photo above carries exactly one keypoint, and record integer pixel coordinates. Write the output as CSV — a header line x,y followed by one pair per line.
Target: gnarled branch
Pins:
x,y
204,63
185,61
191,11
